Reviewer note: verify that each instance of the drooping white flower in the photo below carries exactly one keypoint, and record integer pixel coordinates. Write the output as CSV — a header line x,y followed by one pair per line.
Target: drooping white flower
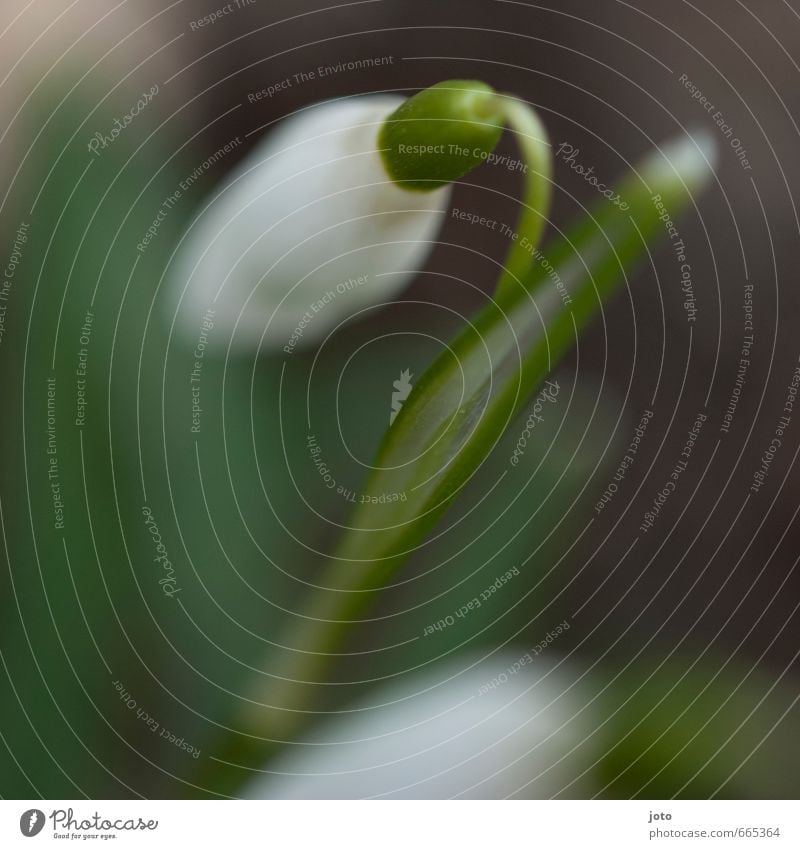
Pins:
x,y
300,235
498,729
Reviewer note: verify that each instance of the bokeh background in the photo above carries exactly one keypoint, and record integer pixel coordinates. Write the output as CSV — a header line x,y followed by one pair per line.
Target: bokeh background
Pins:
x,y
681,659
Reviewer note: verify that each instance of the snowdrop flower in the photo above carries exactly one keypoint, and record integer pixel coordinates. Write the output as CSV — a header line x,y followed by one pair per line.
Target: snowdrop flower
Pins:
x,y
335,211
501,728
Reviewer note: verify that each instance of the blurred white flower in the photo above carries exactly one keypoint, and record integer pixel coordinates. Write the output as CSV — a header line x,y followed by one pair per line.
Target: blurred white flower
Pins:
x,y
300,234
482,733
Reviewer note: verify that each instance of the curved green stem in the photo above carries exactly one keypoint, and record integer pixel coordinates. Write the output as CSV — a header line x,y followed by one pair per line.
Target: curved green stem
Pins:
x,y
533,142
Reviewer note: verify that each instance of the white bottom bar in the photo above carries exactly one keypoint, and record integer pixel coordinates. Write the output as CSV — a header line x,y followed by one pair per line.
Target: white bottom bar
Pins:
x,y
402,825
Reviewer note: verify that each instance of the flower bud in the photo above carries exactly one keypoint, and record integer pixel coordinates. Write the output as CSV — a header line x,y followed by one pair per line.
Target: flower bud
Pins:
x,y
441,133
300,237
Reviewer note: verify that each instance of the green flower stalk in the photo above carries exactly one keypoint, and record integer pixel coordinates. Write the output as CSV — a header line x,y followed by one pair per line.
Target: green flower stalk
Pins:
x,y
465,401
442,133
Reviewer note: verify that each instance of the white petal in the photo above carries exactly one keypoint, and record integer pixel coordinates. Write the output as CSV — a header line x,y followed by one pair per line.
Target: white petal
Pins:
x,y
435,737
311,209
